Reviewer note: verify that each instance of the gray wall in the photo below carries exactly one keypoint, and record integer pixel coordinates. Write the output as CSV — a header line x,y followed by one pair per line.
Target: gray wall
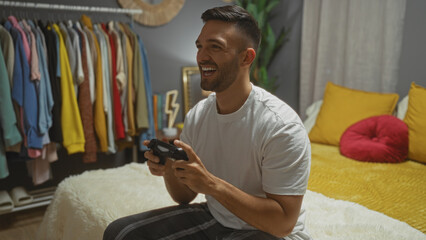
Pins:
x,y
413,56
286,64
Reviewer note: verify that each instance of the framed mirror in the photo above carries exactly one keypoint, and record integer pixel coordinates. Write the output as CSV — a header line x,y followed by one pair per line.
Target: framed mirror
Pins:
x,y
192,92
154,12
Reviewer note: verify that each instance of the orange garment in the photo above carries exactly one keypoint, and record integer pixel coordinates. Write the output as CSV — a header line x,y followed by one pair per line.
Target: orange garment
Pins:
x,y
99,114
85,103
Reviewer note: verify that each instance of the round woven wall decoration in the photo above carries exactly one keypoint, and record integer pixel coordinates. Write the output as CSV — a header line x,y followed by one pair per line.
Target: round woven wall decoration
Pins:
x,y
154,14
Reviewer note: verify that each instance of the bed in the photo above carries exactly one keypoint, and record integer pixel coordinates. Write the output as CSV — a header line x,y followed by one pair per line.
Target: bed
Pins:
x,y
396,190
83,206
346,198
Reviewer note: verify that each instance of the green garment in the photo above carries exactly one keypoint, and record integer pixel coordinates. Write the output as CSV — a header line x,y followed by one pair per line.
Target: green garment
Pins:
x,y
9,133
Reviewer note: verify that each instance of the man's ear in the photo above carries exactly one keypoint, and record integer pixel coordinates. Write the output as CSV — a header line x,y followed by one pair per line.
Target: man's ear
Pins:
x,y
249,56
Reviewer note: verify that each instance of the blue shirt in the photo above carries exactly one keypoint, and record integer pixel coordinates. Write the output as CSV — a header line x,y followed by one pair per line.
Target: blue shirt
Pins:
x,y
24,91
45,97
150,132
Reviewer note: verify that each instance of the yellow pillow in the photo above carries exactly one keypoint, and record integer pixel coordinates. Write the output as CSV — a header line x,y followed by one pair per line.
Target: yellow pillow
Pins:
x,y
343,107
415,118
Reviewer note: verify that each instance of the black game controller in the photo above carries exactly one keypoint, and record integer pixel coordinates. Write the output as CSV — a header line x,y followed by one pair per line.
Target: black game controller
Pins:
x,y
164,150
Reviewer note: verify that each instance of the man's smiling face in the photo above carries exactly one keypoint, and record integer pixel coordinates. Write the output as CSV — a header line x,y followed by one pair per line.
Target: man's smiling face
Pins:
x,y
219,45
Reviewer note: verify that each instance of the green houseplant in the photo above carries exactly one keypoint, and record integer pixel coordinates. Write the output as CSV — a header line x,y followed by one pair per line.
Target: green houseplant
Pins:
x,y
271,43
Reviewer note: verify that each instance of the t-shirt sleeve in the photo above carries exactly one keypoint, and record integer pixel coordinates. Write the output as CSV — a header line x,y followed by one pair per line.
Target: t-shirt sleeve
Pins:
x,y
185,134
286,161
184,137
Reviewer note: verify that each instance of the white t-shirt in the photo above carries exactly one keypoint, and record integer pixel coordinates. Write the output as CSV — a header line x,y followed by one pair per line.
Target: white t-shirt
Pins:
x,y
262,147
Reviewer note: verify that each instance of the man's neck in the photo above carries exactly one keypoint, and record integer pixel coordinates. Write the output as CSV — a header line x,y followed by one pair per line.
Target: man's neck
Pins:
x,y
233,98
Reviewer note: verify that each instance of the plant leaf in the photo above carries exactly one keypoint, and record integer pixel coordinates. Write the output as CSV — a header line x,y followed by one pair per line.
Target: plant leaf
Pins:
x,y
252,9
269,46
261,20
261,5
271,5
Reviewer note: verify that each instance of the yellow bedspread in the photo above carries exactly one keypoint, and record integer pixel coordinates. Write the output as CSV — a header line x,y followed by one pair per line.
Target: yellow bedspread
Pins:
x,y
395,189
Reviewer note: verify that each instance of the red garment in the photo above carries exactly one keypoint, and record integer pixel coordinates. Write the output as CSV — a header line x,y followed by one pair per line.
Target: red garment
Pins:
x,y
119,126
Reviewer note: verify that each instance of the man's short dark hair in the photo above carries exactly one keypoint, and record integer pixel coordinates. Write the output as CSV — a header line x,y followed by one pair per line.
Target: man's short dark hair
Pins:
x,y
238,15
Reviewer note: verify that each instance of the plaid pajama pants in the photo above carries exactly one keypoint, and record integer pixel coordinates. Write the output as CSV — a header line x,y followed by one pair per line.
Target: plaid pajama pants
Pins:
x,y
192,221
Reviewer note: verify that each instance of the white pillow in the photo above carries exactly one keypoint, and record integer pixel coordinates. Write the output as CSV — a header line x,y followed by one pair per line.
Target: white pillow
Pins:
x,y
401,108
311,115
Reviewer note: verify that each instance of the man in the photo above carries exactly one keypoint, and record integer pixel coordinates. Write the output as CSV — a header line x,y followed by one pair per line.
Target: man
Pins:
x,y
248,151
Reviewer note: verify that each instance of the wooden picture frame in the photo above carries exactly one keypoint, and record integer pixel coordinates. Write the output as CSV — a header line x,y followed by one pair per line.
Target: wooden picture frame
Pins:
x,y
192,92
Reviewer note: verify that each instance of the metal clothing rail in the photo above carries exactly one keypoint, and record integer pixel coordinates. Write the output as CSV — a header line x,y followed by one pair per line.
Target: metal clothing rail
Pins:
x,y
68,7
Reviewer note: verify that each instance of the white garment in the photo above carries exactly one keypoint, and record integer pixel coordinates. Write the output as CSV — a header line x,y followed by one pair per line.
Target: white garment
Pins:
x,y
74,56
121,76
93,56
77,72
262,147
89,63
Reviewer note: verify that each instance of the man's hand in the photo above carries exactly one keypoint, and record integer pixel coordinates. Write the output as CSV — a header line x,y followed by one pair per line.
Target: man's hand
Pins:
x,y
193,173
180,192
153,162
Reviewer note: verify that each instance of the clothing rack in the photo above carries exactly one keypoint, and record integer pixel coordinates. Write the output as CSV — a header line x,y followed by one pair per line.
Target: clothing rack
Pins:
x,y
69,7
43,196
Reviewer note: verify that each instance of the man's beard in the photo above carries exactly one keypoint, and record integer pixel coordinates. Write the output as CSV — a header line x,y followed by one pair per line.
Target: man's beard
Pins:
x,y
226,75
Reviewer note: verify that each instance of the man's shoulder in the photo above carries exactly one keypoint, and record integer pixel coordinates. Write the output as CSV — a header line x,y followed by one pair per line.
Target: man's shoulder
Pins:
x,y
273,107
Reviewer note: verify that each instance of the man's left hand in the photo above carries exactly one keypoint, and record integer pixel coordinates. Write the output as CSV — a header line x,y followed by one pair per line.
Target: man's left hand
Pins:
x,y
193,172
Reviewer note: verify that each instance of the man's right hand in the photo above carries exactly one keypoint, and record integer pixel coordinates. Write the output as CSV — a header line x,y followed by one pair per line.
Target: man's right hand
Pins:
x,y
153,162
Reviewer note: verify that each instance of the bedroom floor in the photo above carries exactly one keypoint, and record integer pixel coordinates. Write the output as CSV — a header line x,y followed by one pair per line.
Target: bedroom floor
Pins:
x,y
21,225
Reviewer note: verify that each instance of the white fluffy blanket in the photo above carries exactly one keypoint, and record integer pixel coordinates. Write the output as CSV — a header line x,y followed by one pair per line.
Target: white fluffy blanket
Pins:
x,y
84,205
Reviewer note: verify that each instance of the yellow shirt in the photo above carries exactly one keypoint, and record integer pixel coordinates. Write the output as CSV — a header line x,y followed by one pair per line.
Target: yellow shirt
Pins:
x,y
72,128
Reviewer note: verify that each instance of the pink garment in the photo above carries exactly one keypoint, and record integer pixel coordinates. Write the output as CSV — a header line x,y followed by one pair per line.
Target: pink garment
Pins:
x,y
35,70
15,24
33,152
